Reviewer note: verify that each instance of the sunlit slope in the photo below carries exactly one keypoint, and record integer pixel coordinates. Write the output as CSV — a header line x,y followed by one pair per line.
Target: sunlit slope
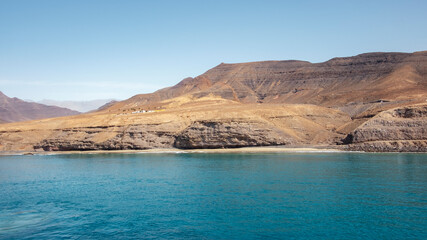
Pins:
x,y
351,82
204,120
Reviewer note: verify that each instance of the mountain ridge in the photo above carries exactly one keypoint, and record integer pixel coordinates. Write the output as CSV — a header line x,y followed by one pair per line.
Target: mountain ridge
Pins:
x,y
327,84
15,109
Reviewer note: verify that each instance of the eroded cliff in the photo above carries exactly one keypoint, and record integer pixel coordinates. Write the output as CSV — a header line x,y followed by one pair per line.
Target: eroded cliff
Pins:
x,y
402,129
221,125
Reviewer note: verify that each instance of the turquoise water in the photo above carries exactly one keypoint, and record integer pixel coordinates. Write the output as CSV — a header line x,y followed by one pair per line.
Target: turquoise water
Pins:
x,y
214,196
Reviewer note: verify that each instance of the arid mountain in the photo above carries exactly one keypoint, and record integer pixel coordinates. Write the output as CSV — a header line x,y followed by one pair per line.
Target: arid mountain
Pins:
x,y
15,109
352,83
357,103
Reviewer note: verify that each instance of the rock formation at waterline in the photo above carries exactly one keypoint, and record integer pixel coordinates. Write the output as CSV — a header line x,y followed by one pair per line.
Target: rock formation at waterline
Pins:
x,y
396,130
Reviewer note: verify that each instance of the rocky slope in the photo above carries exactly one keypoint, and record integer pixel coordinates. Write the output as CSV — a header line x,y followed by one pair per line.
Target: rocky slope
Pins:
x,y
15,109
402,129
207,124
343,100
352,83
230,133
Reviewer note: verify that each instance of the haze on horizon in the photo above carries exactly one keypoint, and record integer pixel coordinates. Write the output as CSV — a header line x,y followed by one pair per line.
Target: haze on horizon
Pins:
x,y
84,50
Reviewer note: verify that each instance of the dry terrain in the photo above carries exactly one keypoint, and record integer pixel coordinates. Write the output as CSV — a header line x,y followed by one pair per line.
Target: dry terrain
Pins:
x,y
370,102
210,122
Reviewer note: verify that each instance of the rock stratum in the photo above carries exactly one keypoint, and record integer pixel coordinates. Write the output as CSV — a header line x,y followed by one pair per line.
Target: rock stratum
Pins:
x,y
369,102
402,129
217,124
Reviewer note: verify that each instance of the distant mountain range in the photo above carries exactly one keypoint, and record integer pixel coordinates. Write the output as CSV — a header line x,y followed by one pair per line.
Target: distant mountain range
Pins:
x,y
80,106
15,109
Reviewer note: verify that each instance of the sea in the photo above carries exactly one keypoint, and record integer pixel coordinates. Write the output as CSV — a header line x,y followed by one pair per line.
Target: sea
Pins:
x,y
214,196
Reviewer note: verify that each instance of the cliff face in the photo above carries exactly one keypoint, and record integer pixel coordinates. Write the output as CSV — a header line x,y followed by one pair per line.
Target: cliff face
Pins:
x,y
195,126
227,134
137,136
402,129
15,109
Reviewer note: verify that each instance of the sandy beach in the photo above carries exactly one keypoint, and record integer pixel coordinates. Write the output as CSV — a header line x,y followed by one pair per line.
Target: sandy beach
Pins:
x,y
278,149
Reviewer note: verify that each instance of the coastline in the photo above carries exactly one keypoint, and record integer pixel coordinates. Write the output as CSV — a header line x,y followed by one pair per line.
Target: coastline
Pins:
x,y
243,150
260,149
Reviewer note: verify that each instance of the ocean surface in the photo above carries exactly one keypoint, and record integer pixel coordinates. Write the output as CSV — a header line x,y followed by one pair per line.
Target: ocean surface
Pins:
x,y
214,196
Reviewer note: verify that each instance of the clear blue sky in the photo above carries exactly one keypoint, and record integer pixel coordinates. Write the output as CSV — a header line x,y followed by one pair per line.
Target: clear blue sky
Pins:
x,y
83,50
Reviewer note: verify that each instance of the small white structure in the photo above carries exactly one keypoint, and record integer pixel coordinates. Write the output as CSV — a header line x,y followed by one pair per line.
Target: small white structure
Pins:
x,y
142,111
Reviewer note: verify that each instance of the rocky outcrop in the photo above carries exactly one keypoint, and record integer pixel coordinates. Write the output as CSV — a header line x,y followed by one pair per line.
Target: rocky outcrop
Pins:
x,y
109,138
200,134
402,129
390,146
229,134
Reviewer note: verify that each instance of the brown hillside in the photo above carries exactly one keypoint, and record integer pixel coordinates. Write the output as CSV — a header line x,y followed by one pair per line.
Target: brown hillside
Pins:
x,y
209,123
362,79
15,109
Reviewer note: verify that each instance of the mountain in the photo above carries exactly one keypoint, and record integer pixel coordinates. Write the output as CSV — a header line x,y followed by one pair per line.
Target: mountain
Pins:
x,y
370,102
80,106
15,109
350,82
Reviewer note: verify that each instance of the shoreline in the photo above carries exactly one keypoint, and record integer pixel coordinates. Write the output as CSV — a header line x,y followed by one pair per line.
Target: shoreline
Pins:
x,y
262,149
242,150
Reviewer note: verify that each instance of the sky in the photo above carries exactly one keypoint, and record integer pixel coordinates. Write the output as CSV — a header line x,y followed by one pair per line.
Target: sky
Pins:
x,y
96,49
